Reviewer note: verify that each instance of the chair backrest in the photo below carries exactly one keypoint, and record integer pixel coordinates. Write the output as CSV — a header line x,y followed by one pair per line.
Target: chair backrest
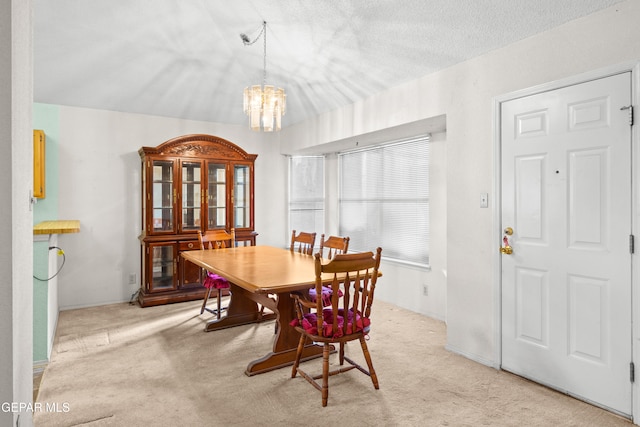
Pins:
x,y
353,283
303,242
216,239
334,245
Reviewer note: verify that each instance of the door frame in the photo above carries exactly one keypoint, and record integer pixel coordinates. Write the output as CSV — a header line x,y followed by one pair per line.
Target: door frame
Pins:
x,y
496,206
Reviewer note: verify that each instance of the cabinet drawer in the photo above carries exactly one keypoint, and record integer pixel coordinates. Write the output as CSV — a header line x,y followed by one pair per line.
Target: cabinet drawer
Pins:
x,y
188,246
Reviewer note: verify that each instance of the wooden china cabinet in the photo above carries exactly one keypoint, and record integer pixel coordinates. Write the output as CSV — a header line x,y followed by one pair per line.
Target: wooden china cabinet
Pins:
x,y
190,183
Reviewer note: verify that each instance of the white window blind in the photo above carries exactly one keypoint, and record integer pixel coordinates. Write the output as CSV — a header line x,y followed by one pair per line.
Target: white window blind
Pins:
x,y
306,194
384,200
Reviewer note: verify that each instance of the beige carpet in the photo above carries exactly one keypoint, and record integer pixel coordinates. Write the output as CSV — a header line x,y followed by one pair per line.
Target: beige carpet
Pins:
x,y
122,365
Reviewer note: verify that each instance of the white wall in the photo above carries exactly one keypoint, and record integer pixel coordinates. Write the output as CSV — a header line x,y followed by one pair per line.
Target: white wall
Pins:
x,y
100,186
464,93
16,179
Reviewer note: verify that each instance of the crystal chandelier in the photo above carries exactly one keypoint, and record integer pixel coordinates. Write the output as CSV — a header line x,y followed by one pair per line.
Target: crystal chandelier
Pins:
x,y
265,105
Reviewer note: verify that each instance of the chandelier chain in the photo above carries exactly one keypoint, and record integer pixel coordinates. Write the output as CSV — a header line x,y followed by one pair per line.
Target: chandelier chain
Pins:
x,y
264,57
247,42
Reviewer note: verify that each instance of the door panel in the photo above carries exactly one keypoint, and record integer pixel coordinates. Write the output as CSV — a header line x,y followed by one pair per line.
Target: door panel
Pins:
x,y
566,193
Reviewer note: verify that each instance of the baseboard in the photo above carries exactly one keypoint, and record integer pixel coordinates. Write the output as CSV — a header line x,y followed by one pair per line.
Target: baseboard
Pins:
x,y
474,357
39,366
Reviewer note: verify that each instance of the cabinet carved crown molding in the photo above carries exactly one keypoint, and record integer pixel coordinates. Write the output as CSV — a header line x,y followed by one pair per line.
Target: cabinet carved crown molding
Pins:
x,y
200,145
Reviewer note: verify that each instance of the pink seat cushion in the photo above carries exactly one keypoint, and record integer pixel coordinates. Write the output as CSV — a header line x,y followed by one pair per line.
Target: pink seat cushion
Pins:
x,y
310,323
326,295
214,281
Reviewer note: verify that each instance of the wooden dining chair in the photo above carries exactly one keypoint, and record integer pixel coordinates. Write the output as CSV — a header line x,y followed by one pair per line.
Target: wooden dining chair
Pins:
x,y
303,242
212,240
346,319
334,245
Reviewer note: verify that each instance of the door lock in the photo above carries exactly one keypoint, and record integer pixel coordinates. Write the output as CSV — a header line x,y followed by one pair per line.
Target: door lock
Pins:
x,y
506,247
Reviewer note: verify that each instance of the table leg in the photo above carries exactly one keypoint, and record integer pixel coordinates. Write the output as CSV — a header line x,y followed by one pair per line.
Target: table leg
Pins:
x,y
242,310
285,343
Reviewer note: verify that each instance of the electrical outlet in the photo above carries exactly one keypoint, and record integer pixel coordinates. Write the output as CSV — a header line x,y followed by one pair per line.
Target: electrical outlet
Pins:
x,y
425,290
132,279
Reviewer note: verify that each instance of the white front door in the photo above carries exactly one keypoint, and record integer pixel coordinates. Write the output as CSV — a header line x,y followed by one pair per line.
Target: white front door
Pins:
x,y
566,194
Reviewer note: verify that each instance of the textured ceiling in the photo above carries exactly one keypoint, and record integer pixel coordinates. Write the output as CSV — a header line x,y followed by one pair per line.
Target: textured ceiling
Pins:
x,y
185,58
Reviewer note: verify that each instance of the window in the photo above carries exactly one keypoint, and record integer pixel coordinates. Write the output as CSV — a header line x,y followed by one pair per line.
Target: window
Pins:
x,y
306,194
384,200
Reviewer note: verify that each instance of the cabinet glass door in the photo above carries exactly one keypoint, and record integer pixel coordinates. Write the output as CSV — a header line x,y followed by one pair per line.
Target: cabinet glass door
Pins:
x,y
163,194
191,195
217,196
242,195
163,267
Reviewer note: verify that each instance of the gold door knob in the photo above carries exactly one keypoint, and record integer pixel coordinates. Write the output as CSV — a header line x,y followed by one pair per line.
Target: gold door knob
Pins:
x,y
507,250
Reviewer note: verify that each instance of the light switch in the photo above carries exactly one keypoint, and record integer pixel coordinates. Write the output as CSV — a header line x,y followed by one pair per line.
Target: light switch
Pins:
x,y
484,200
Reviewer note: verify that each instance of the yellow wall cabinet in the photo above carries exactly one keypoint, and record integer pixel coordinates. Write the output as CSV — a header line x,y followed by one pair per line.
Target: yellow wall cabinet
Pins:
x,y
39,186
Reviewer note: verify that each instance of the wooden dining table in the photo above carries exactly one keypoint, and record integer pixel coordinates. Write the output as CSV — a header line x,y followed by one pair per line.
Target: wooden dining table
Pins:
x,y
262,275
